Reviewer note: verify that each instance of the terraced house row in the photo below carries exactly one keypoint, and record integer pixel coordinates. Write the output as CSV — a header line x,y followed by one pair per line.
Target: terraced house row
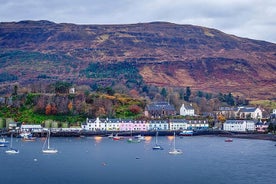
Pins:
x,y
142,125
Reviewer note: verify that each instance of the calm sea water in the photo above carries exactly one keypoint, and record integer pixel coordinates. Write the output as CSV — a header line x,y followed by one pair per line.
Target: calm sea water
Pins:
x,y
104,161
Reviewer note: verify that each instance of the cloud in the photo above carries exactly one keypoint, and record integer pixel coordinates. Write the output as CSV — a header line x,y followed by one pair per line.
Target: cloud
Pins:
x,y
247,18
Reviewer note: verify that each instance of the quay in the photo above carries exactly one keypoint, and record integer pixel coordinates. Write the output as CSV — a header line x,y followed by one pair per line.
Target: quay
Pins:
x,y
85,133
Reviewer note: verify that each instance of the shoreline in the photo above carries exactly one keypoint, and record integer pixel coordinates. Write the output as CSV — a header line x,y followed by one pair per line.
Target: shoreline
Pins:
x,y
218,133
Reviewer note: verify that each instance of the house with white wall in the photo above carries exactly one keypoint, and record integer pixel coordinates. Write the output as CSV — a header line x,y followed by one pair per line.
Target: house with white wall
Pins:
x,y
187,110
158,125
250,113
94,125
178,124
239,125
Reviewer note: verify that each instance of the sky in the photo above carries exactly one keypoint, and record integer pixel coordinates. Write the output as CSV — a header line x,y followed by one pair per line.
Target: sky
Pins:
x,y
255,19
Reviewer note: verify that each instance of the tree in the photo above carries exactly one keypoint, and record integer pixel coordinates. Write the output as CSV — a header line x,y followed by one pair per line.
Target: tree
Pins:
x,y
164,92
199,94
15,89
135,109
70,106
221,118
48,109
62,87
188,94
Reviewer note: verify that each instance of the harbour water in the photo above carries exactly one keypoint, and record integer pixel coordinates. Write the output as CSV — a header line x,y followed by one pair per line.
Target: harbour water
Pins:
x,y
100,160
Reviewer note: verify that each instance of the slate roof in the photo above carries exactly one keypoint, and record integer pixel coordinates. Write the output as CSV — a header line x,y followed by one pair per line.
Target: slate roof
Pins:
x,y
160,106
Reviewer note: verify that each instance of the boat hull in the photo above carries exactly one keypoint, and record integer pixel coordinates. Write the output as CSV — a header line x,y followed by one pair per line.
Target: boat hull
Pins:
x,y
50,151
12,151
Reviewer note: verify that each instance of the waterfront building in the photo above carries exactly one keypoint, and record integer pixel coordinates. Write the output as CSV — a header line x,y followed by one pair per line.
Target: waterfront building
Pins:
x,y
31,128
112,124
94,125
178,124
197,124
187,110
140,125
126,125
158,125
239,125
159,110
261,126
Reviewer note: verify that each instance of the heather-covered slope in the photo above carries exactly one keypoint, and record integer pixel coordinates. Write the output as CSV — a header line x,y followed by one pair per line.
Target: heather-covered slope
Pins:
x,y
165,54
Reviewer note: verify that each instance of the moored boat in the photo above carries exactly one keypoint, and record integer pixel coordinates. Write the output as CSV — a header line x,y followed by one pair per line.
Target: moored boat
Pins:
x,y
117,137
175,151
140,137
12,150
228,140
48,149
3,141
186,133
157,146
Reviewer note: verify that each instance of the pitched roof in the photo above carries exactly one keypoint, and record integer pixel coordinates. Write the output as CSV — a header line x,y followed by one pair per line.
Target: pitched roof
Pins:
x,y
160,106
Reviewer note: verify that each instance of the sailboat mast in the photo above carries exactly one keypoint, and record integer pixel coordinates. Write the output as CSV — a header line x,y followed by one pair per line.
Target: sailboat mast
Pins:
x,y
49,140
11,140
174,140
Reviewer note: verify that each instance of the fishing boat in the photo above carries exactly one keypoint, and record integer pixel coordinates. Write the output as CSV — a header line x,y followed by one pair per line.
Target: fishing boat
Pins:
x,y
25,134
157,146
140,137
110,136
116,137
12,150
3,141
228,140
186,133
175,151
29,139
48,149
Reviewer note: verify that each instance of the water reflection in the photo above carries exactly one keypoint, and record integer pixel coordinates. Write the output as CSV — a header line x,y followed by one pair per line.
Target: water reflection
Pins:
x,y
98,139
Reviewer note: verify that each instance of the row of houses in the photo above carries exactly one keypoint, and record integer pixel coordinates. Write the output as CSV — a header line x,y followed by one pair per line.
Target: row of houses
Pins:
x,y
164,109
142,125
244,126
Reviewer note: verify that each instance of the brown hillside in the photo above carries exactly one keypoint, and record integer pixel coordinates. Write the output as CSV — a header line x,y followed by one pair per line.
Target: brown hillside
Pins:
x,y
166,54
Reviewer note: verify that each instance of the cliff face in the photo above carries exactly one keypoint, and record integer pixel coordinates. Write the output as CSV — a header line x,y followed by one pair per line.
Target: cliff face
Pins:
x,y
166,54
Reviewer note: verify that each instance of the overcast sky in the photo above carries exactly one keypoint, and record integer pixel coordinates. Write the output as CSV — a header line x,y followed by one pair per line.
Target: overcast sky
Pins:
x,y
254,19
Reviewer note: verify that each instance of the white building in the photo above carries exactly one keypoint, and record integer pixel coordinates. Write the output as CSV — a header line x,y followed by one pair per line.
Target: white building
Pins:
x,y
178,124
112,124
274,111
158,125
239,125
250,112
197,124
94,125
31,128
187,110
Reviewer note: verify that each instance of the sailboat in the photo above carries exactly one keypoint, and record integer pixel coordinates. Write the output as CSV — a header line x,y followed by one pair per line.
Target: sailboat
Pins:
x,y
48,149
175,151
157,146
11,150
131,140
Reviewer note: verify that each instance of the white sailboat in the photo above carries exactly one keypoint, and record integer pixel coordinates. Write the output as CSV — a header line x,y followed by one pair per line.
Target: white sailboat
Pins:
x,y
48,149
157,146
131,140
175,151
12,150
